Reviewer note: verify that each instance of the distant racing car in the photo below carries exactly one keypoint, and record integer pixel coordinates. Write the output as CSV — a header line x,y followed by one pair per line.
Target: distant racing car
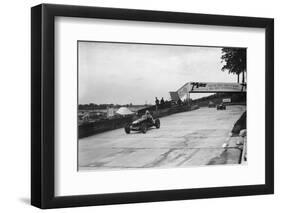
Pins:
x,y
221,106
142,124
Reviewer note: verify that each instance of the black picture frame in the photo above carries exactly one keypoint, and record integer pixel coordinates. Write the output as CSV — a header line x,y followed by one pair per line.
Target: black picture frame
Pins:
x,y
43,102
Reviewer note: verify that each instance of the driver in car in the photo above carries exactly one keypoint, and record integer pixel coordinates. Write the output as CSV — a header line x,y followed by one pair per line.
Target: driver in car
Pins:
x,y
148,116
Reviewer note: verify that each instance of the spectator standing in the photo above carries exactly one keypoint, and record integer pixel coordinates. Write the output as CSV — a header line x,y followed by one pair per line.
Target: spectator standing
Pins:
x,y
162,102
156,101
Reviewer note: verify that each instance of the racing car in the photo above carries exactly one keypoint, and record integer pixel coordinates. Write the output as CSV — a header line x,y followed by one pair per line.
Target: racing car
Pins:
x,y
142,124
221,106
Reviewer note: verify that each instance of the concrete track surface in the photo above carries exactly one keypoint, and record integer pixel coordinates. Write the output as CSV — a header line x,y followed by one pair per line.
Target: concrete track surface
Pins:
x,y
185,139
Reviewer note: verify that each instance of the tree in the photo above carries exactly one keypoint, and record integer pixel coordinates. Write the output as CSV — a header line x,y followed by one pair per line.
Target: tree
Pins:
x,y
235,61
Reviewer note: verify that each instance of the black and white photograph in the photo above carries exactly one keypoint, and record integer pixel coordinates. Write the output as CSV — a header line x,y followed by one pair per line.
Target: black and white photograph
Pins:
x,y
143,105
132,106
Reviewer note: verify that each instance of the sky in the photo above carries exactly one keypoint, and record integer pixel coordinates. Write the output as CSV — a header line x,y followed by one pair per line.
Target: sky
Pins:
x,y
123,73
